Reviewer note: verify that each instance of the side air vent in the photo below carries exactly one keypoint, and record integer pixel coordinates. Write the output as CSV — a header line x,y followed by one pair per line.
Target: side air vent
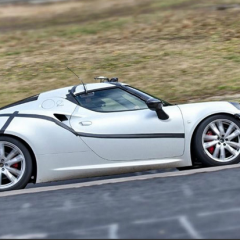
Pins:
x,y
61,117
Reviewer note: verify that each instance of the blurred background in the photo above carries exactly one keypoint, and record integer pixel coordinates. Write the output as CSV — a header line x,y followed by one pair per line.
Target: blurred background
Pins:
x,y
179,50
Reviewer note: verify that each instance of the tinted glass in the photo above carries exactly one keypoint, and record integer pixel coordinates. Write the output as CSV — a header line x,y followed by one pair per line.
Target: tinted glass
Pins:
x,y
111,100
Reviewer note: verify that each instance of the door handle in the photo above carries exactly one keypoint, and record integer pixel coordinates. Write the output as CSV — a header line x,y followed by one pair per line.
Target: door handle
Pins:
x,y
88,123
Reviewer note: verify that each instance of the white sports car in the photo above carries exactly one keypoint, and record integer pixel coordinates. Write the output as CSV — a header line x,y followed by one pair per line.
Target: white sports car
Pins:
x,y
110,128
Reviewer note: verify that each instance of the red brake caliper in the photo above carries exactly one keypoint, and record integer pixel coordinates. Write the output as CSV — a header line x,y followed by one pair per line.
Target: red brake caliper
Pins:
x,y
15,165
211,149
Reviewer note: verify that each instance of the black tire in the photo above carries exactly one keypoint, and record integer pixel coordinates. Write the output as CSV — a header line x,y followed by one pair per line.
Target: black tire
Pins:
x,y
198,148
22,183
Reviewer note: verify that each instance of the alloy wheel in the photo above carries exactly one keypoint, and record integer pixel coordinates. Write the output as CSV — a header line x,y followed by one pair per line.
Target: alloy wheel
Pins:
x,y
12,165
221,140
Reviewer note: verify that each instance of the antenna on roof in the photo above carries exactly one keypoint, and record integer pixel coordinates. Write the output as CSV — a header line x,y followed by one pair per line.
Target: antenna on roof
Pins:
x,y
84,85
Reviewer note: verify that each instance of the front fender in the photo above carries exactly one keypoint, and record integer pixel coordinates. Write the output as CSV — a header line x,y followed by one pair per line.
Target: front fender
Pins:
x,y
194,114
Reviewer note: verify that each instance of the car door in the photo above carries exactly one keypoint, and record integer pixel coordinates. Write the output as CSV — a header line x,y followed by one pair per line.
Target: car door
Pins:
x,y
118,126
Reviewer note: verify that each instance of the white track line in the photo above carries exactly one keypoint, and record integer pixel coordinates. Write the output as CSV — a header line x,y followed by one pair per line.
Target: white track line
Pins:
x,y
116,180
193,233
25,236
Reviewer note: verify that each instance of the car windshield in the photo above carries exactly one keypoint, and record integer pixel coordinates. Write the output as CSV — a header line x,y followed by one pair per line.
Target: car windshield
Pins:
x,y
111,100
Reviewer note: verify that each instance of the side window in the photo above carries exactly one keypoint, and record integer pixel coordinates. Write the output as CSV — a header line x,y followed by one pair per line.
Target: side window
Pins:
x,y
111,100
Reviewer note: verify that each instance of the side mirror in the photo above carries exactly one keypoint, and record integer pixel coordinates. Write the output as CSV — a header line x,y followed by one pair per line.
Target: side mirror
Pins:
x,y
156,105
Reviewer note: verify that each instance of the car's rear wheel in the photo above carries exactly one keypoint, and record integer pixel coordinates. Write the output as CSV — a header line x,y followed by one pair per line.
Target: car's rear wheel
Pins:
x,y
217,141
15,164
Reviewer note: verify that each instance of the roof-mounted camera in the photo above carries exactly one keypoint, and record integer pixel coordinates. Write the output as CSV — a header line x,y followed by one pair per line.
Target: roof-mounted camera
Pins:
x,y
105,79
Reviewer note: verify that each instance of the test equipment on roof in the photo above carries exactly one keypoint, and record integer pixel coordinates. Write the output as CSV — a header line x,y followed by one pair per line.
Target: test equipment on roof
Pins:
x,y
106,79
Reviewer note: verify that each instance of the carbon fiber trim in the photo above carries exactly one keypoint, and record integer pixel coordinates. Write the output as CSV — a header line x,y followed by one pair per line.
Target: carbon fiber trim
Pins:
x,y
132,136
27,100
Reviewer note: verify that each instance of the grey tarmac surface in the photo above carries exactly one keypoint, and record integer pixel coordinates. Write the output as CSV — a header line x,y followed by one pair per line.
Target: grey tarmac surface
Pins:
x,y
202,205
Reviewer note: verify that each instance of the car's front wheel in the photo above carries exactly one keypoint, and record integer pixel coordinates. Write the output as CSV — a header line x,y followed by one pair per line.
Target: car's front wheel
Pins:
x,y
217,141
15,164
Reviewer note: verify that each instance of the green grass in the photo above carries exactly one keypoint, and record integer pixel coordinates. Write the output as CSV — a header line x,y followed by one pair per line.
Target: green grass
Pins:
x,y
92,28
234,58
178,50
169,3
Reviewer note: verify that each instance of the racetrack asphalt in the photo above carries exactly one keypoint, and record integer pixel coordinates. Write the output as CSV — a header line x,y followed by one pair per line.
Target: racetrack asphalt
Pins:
x,y
200,205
